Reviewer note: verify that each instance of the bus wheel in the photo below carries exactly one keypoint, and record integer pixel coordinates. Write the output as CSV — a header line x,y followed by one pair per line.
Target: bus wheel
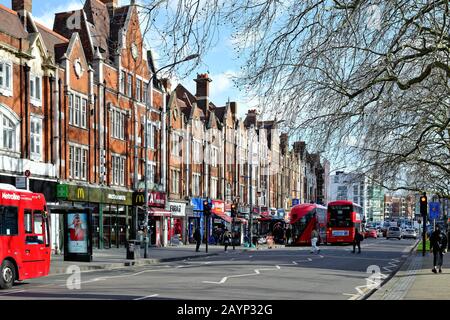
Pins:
x,y
7,275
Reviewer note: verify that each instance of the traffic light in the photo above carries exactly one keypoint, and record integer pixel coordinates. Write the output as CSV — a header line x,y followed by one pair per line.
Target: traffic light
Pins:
x,y
206,208
233,210
423,205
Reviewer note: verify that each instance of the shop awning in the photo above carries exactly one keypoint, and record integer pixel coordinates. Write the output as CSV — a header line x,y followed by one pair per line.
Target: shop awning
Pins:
x,y
223,216
158,212
242,220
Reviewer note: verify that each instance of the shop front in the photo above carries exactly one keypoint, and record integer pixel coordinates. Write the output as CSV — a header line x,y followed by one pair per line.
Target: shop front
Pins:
x,y
159,218
195,220
221,220
177,223
111,212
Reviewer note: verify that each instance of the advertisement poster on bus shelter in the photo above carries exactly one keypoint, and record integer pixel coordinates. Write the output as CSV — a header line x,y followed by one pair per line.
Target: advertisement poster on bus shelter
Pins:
x,y
77,232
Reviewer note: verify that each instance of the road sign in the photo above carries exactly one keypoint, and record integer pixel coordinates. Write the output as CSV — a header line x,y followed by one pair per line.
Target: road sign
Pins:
x,y
434,210
295,202
21,183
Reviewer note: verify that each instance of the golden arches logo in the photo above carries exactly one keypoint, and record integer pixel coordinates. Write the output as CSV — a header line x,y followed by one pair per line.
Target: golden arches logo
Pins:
x,y
140,198
80,193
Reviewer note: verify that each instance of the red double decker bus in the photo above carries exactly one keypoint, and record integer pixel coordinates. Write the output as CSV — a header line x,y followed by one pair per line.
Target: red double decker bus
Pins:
x,y
303,218
343,217
24,236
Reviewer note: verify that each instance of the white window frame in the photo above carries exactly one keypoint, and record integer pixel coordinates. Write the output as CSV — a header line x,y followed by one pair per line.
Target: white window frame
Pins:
x,y
35,94
6,76
118,169
117,123
196,184
130,85
175,176
122,79
214,183
78,161
78,109
151,135
138,90
175,150
36,148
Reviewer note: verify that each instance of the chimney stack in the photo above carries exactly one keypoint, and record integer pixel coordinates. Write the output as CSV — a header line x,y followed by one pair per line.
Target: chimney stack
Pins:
x,y
111,3
20,5
167,84
202,93
233,106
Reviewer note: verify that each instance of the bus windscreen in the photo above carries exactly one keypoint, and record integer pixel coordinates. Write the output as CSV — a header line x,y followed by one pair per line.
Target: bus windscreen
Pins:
x,y
340,216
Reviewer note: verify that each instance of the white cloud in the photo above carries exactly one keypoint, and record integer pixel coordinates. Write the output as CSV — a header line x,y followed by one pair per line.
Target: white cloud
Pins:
x,y
49,16
222,82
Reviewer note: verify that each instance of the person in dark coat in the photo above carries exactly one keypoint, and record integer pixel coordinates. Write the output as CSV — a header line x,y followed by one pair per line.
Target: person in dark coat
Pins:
x,y
226,239
438,245
357,241
288,235
198,239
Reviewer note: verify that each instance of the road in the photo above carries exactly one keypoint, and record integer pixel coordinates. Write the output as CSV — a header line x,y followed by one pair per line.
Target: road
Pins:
x,y
283,273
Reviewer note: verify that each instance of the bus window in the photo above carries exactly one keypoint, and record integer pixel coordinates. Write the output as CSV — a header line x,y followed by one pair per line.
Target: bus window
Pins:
x,y
37,236
28,222
8,221
38,225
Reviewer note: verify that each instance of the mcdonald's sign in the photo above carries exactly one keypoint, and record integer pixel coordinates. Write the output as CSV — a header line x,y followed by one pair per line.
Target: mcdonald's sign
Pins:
x,y
80,193
138,198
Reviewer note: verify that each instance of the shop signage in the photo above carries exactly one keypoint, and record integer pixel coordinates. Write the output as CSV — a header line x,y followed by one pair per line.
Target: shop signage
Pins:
x,y
96,195
197,203
218,207
157,199
138,198
62,191
177,209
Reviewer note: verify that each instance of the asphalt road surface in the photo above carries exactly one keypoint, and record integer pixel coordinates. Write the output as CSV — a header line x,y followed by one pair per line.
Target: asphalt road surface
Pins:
x,y
283,273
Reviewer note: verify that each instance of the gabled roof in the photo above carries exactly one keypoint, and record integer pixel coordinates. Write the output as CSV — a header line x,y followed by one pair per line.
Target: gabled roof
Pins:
x,y
11,24
51,39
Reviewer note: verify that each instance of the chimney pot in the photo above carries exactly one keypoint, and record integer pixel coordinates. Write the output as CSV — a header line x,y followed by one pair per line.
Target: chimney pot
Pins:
x,y
20,5
111,3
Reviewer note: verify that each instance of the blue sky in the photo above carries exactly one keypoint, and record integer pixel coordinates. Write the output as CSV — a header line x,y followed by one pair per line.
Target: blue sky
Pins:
x,y
220,62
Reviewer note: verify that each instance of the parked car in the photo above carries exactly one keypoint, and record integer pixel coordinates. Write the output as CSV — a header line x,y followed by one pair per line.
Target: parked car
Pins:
x,y
410,233
394,232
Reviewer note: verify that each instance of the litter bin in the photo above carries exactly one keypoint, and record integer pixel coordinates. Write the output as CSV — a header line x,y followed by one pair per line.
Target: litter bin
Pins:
x,y
133,250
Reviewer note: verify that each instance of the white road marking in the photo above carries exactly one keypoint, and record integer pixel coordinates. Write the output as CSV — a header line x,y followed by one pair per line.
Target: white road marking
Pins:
x,y
257,272
146,297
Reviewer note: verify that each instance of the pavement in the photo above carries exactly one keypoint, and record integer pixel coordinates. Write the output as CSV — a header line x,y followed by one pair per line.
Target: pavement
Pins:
x,y
280,273
415,281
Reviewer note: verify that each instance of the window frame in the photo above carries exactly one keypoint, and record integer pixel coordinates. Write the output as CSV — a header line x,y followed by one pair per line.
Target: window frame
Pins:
x,y
36,136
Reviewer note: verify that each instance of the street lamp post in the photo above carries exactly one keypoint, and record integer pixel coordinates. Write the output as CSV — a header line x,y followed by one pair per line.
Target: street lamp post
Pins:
x,y
251,187
147,107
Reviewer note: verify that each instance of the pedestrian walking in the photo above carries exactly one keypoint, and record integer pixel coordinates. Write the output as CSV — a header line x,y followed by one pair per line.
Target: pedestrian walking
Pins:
x,y
438,245
314,239
357,240
226,239
288,235
235,239
198,239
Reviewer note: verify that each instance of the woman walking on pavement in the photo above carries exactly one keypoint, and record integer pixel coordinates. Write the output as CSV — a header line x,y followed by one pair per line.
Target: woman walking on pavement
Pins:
x,y
357,241
226,239
314,239
438,245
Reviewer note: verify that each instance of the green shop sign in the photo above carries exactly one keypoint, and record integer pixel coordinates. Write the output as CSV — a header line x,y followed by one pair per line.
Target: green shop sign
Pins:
x,y
98,195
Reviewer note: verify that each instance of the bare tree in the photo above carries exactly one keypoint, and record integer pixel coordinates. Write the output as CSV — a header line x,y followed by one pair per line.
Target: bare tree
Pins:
x,y
365,79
